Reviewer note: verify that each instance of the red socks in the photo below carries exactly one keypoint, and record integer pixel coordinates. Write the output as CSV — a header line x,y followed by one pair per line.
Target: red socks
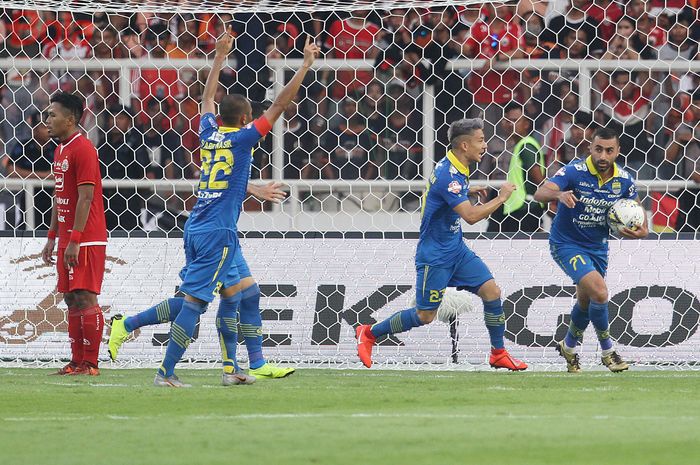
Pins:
x,y
92,326
75,334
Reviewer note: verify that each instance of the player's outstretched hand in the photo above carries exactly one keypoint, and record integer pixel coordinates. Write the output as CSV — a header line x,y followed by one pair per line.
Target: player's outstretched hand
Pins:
x,y
639,232
311,51
272,192
506,191
47,252
567,198
224,43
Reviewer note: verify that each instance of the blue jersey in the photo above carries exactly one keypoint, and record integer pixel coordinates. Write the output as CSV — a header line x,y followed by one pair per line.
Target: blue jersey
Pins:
x,y
226,160
440,241
585,225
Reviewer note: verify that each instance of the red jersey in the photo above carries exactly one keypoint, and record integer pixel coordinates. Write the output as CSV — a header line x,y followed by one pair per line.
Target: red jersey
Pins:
x,y
159,83
346,41
75,164
627,111
494,86
607,16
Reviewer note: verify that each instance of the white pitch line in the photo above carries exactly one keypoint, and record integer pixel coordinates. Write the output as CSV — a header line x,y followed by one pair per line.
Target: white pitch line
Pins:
x,y
49,419
301,416
97,385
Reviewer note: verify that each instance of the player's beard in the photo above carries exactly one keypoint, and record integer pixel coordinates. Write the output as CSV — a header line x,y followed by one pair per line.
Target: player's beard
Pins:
x,y
603,167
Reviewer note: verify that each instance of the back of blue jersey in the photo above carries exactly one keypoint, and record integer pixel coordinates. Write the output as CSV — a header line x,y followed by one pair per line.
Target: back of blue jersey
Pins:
x,y
440,239
226,160
586,224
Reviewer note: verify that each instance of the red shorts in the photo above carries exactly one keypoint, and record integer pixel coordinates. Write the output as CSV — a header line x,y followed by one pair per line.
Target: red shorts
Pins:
x,y
87,275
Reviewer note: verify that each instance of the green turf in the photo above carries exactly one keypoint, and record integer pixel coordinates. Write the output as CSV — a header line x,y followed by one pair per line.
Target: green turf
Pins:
x,y
352,417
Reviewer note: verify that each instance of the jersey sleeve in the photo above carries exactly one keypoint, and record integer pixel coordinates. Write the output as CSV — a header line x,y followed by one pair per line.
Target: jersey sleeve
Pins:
x,y
87,167
564,177
250,134
207,126
453,189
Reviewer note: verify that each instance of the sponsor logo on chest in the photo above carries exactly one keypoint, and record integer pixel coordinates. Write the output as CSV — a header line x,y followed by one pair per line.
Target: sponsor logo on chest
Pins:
x,y
58,177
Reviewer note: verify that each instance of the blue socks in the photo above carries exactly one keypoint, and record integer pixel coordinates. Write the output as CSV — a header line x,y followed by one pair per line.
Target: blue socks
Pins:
x,y
251,325
397,323
227,327
579,323
181,332
495,321
599,317
165,311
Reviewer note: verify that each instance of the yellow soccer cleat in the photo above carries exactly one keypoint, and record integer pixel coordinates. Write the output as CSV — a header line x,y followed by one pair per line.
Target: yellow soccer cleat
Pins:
x,y
270,371
614,362
573,365
117,335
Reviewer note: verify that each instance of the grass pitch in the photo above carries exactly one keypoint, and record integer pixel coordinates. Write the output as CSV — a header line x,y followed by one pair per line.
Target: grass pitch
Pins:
x,y
352,417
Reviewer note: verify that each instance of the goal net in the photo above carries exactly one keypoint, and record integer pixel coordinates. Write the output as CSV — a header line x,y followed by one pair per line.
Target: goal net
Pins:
x,y
355,150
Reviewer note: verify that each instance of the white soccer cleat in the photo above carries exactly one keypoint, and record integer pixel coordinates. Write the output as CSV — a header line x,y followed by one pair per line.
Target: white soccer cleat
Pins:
x,y
233,379
169,381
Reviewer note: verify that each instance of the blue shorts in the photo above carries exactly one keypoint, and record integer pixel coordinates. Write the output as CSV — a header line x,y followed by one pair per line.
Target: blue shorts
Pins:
x,y
239,269
208,260
469,272
577,261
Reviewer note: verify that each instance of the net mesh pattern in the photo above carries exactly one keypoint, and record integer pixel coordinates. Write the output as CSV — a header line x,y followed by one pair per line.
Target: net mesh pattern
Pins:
x,y
357,147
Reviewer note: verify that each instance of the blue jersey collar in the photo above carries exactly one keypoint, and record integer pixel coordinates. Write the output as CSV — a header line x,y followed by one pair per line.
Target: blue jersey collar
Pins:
x,y
457,164
592,169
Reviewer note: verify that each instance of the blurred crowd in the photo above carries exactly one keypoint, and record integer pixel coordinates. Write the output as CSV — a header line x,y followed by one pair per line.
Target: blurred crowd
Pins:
x,y
365,123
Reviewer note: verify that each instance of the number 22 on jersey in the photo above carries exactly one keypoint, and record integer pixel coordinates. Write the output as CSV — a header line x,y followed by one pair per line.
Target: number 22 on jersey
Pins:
x,y
214,163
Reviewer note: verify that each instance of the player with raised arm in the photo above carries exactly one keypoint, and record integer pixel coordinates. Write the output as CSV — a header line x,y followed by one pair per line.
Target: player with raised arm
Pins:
x,y
249,311
442,257
78,220
578,240
210,236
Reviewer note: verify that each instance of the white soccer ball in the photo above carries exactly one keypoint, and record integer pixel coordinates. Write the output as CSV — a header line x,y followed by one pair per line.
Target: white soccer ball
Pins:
x,y
453,304
625,213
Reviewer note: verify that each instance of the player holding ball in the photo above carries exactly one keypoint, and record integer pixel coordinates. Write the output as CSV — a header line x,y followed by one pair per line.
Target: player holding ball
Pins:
x,y
578,241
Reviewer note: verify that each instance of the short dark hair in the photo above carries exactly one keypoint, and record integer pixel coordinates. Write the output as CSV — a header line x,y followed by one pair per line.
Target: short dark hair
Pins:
x,y
161,104
71,103
618,73
583,119
463,127
232,107
118,109
35,117
607,134
512,106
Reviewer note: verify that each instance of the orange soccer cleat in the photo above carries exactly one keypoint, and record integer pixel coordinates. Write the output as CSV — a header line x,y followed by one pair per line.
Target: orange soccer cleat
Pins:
x,y
500,358
365,343
86,369
69,369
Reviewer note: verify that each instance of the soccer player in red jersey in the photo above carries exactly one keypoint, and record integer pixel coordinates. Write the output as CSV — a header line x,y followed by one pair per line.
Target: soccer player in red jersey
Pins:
x,y
78,220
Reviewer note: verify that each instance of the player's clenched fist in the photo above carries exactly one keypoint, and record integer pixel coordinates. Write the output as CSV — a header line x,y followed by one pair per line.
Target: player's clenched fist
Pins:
x,y
506,191
567,198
